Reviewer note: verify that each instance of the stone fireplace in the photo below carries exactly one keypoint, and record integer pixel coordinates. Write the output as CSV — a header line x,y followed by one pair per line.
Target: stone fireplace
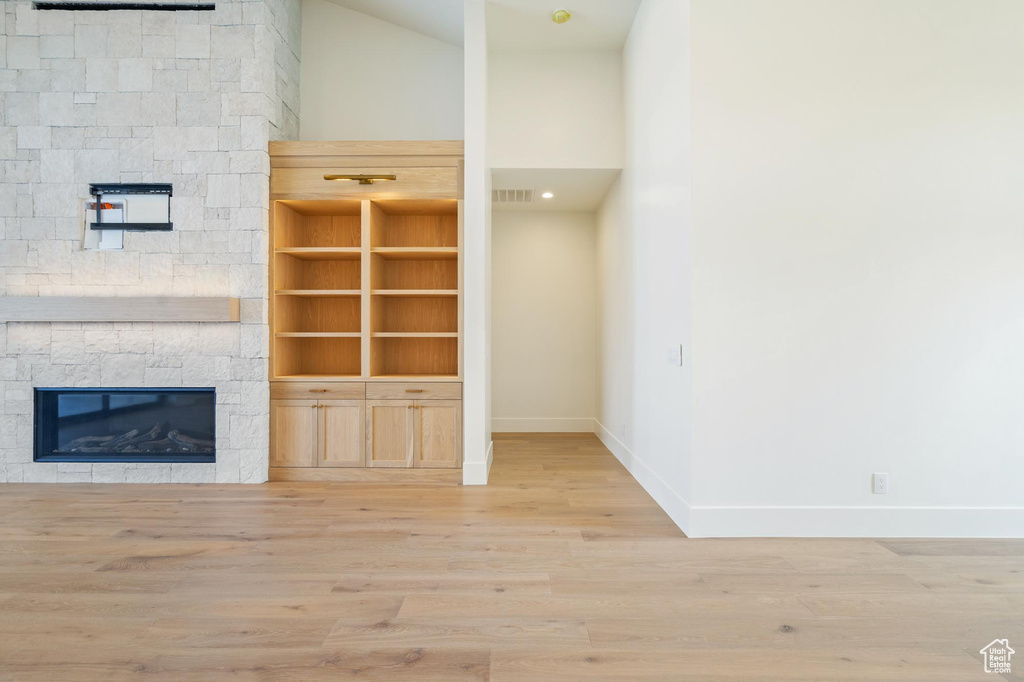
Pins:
x,y
185,98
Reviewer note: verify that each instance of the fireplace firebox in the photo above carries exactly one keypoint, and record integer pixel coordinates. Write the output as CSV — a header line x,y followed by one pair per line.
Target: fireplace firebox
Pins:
x,y
125,425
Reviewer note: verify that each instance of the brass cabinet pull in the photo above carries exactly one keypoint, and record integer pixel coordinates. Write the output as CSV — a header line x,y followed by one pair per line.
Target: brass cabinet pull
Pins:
x,y
313,406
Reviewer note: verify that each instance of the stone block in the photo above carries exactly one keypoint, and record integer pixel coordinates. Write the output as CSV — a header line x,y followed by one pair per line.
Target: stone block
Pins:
x,y
75,476
254,341
227,466
135,75
101,75
56,47
201,139
223,190
253,465
28,338
91,40
55,200
233,42
22,109
193,473
56,24
40,472
58,109
119,371
22,52
192,42
163,377
34,137
158,47
144,472
198,109
108,472
67,75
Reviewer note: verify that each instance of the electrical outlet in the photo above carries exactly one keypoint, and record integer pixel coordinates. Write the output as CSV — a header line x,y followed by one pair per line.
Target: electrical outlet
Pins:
x,y
674,355
880,484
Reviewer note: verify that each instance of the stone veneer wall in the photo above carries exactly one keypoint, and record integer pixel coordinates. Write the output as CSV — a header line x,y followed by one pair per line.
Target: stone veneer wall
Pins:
x,y
190,98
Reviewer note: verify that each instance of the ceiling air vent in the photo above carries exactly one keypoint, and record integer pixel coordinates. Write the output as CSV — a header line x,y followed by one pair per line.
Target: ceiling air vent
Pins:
x,y
512,196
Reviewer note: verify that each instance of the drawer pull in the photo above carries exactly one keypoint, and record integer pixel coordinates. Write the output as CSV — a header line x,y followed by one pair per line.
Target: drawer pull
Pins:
x,y
414,390
361,179
319,390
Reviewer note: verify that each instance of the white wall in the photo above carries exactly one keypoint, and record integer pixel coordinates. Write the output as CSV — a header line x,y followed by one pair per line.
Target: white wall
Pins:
x,y
545,335
555,110
644,237
859,267
367,79
476,404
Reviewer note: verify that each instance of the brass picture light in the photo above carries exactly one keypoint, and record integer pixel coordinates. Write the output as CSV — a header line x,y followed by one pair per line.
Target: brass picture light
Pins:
x,y
362,179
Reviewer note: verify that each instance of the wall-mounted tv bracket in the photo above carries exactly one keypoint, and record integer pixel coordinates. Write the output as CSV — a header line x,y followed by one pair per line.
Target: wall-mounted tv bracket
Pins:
x,y
99,190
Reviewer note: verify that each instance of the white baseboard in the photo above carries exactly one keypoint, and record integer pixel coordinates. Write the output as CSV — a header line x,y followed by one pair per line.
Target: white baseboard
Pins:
x,y
670,501
857,522
817,522
542,425
477,473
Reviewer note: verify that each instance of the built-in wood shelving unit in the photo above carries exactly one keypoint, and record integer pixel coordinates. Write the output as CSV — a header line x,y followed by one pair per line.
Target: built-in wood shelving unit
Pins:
x,y
366,289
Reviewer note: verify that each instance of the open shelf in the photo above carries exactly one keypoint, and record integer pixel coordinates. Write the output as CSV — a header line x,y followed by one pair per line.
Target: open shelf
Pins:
x,y
415,335
329,253
425,357
291,273
304,315
424,314
414,224
415,292
318,335
402,274
317,356
319,293
417,253
317,224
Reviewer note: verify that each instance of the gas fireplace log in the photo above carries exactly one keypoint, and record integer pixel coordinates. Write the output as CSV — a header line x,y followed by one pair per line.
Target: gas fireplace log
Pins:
x,y
191,444
162,445
181,441
85,441
122,439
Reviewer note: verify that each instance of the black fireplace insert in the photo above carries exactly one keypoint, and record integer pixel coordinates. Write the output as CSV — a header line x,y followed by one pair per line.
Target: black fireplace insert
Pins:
x,y
125,424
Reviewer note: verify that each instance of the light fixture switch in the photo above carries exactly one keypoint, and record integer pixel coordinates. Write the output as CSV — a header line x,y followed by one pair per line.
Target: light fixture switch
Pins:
x,y
674,355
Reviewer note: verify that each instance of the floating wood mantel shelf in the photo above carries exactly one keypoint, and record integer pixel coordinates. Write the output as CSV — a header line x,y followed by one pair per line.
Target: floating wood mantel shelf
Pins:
x,y
118,309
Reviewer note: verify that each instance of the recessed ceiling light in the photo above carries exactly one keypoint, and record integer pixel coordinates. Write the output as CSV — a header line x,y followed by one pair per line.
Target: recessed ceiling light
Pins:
x,y
548,195
560,16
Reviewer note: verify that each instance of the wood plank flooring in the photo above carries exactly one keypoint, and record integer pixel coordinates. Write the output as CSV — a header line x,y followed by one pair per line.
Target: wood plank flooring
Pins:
x,y
561,569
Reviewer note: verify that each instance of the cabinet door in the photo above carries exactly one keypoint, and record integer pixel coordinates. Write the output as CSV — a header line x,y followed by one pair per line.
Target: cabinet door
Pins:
x,y
438,433
293,433
389,433
341,442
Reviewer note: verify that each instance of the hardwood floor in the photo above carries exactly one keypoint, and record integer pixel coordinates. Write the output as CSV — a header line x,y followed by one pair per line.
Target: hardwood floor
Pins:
x,y
561,569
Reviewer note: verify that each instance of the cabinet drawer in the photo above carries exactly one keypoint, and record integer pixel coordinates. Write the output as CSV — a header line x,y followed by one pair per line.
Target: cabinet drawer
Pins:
x,y
411,183
299,390
421,391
